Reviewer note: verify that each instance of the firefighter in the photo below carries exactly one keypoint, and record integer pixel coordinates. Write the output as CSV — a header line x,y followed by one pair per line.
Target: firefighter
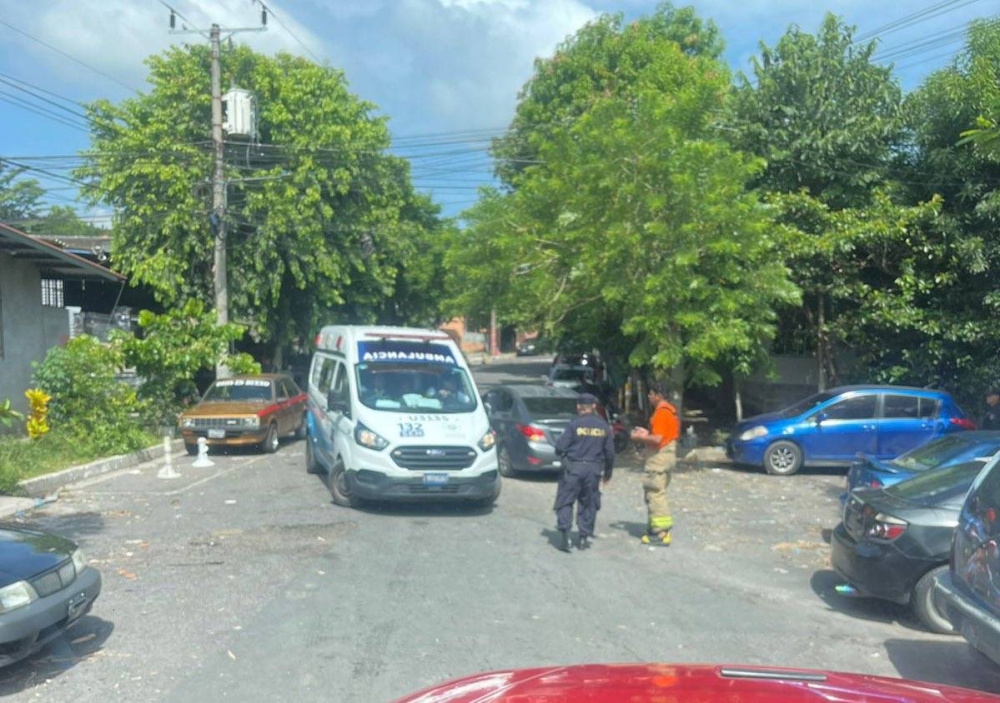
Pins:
x,y
664,428
587,450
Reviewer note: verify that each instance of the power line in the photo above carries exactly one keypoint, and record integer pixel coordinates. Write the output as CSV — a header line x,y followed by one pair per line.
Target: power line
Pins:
x,y
913,18
71,58
25,105
277,19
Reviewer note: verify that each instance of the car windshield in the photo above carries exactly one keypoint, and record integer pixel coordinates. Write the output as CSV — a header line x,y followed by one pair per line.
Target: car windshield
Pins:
x,y
550,407
571,374
942,451
938,486
804,406
242,390
407,387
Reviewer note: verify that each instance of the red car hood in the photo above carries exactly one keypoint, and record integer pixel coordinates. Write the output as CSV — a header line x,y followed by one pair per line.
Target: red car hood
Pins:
x,y
663,683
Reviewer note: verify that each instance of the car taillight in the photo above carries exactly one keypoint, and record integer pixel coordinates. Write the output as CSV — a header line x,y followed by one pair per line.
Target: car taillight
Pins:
x,y
534,434
963,422
875,483
887,527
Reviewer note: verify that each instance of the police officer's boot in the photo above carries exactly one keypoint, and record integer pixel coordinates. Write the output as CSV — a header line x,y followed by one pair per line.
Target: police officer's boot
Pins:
x,y
583,542
564,545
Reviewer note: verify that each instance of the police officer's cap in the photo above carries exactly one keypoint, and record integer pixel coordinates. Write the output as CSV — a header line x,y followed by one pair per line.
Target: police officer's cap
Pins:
x,y
992,391
586,399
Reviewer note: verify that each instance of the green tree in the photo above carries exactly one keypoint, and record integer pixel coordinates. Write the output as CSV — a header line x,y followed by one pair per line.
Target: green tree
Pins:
x,y
62,221
318,212
172,348
20,198
828,122
638,215
602,59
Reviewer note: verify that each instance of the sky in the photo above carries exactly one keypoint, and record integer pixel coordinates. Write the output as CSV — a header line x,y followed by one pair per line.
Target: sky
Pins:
x,y
446,73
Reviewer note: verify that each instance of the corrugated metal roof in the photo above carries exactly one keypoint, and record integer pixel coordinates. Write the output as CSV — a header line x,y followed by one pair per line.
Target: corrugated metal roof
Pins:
x,y
52,261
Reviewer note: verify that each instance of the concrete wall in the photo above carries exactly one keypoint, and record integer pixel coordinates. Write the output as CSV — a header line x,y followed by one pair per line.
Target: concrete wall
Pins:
x,y
29,329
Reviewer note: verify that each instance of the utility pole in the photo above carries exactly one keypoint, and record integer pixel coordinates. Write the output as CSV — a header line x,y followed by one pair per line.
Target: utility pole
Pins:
x,y
218,194
217,219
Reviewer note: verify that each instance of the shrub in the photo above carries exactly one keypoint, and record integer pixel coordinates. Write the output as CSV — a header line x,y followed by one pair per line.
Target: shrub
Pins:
x,y
87,401
8,416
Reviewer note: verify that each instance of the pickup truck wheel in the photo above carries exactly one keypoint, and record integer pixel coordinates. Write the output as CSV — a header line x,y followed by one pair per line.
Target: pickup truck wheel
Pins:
x,y
922,602
302,431
270,443
783,458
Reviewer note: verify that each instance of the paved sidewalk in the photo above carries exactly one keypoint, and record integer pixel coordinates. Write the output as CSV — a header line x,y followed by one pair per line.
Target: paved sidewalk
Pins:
x,y
45,489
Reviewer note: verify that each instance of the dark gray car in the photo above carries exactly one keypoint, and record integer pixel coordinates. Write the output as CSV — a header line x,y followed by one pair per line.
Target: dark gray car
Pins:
x,y
528,420
45,586
894,541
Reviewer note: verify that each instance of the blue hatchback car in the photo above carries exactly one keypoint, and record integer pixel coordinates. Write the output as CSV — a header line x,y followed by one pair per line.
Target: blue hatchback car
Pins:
x,y
953,448
833,427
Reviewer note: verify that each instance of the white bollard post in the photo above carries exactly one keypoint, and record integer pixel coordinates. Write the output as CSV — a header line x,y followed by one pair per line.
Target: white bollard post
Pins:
x,y
168,463
202,462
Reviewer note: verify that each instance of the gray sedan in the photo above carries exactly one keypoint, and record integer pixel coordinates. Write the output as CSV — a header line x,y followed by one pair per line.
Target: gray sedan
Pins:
x,y
528,420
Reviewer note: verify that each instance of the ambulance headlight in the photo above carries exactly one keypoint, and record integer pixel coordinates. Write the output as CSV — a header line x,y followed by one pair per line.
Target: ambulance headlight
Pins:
x,y
367,438
488,441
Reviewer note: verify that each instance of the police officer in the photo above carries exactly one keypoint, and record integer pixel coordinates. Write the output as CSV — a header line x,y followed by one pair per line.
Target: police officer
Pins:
x,y
587,450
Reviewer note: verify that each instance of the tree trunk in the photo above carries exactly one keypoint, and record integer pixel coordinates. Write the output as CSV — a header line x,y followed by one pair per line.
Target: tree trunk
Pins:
x,y
820,343
278,358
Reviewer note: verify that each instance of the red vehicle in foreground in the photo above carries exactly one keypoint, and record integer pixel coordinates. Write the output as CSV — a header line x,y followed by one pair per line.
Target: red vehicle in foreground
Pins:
x,y
635,683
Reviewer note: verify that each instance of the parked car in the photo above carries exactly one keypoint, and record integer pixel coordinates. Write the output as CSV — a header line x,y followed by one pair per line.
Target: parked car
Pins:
x,y
563,376
528,420
894,541
832,428
968,593
45,587
532,347
246,411
634,683
954,448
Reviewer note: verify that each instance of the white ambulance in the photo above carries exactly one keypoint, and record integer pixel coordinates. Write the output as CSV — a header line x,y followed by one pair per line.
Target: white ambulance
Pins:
x,y
394,414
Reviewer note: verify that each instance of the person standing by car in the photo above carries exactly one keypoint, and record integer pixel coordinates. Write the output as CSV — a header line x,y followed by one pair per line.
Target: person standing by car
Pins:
x,y
664,428
991,416
587,450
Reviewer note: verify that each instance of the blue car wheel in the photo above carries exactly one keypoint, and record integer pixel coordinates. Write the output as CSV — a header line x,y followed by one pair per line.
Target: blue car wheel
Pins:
x,y
782,458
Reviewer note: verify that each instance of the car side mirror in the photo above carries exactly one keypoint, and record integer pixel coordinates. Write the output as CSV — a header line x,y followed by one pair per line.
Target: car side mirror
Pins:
x,y
489,408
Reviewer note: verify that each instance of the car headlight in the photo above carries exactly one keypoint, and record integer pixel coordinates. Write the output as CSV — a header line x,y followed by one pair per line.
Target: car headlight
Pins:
x,y
488,441
754,433
16,595
367,438
187,422
253,422
79,561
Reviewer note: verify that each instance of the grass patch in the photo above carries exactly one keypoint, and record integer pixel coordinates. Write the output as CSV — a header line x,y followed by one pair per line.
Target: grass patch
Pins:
x,y
21,458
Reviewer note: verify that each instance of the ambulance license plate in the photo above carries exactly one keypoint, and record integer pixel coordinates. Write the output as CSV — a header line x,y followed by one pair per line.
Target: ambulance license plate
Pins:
x,y
437,479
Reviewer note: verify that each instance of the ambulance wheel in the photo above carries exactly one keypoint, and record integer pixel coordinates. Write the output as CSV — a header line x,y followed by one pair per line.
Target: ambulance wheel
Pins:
x,y
783,458
302,431
312,466
340,488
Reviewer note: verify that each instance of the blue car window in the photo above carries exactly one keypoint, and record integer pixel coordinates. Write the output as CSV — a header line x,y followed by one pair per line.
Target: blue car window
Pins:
x,y
936,486
905,406
861,407
929,408
939,451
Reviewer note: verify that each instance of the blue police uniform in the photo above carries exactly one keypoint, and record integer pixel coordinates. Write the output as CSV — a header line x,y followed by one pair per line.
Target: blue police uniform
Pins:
x,y
587,450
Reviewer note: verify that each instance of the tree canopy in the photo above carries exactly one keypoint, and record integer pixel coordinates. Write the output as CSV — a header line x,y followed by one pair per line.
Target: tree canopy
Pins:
x,y
322,221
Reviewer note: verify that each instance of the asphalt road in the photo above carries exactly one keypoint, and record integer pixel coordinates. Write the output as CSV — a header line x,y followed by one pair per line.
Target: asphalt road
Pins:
x,y
243,582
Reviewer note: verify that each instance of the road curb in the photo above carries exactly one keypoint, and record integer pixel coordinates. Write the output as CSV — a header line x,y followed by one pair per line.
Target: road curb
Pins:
x,y
42,486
